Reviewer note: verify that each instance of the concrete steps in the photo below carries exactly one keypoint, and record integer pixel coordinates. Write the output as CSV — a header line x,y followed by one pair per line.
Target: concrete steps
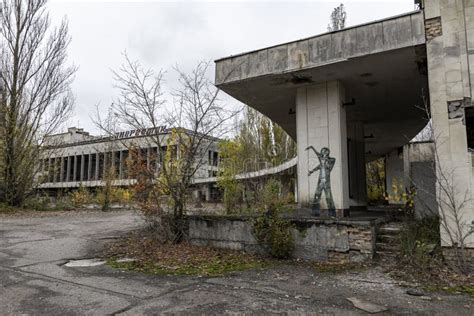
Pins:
x,y
387,240
387,247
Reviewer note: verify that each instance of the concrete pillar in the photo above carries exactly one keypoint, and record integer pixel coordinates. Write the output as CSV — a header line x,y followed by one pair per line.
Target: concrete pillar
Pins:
x,y
121,165
67,166
406,165
296,191
61,171
74,168
356,164
208,192
42,168
49,170
395,176
157,161
450,76
321,123
82,168
112,164
89,168
104,171
97,163
148,151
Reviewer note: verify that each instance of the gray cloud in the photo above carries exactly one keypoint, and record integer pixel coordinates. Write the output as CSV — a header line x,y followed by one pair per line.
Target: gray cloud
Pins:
x,y
163,34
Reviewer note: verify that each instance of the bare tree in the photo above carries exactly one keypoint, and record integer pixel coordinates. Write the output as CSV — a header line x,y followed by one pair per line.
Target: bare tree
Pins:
x,y
35,91
109,173
453,201
195,121
338,18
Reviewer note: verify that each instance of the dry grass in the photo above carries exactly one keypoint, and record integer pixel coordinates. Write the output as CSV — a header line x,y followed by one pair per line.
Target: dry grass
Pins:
x,y
178,259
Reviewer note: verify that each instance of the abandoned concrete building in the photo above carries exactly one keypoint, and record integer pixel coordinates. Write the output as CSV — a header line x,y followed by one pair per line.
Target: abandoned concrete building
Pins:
x,y
347,97
360,93
76,158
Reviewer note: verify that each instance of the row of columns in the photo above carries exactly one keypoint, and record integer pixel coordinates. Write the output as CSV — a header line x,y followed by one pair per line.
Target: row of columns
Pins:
x,y
91,167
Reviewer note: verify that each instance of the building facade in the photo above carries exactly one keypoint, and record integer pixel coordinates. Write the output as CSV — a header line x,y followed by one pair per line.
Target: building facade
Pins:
x,y
353,95
76,158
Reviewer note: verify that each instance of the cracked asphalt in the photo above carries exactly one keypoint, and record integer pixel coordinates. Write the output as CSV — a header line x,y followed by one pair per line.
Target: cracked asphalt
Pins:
x,y
34,280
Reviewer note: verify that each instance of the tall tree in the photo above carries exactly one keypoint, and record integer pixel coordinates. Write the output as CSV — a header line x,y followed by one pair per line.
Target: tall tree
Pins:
x,y
263,142
338,18
196,120
35,90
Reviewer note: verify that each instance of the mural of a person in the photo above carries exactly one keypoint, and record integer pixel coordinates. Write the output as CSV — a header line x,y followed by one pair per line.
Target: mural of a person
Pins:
x,y
326,164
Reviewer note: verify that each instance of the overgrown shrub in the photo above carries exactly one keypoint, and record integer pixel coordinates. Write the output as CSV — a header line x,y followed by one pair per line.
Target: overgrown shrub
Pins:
x,y
162,225
80,197
37,203
116,195
229,167
121,195
232,195
63,203
402,195
419,240
271,198
274,233
271,230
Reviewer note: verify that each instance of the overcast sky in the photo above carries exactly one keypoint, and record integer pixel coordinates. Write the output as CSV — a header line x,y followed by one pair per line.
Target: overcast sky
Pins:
x,y
162,34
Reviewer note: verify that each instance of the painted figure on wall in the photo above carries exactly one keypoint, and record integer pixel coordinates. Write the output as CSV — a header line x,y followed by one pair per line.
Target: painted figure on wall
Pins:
x,y
325,166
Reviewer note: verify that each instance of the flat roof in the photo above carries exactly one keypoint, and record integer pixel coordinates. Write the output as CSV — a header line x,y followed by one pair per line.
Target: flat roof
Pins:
x,y
322,34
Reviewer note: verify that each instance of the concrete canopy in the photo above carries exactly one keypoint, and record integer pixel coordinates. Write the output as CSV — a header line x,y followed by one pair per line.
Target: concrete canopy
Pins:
x,y
382,66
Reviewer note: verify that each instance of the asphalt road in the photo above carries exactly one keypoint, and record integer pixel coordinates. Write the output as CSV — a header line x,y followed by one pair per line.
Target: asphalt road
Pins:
x,y
34,280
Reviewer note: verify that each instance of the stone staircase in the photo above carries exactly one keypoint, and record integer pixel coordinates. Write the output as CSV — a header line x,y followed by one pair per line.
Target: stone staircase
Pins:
x,y
387,240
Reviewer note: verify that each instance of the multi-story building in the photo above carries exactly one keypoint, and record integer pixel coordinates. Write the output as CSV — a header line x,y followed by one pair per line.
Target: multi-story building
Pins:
x,y
76,158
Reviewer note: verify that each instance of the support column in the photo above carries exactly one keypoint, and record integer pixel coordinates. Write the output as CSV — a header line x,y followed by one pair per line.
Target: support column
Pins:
x,y
49,169
208,192
67,165
450,76
321,123
148,158
356,164
112,164
395,176
89,167
121,165
61,171
82,168
97,163
74,167
104,172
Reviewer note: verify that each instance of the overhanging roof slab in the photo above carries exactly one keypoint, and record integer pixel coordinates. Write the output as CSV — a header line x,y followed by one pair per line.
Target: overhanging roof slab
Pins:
x,y
382,65
389,34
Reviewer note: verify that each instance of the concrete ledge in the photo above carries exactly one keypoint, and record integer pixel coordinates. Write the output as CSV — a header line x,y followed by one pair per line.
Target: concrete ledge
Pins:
x,y
388,34
451,257
315,239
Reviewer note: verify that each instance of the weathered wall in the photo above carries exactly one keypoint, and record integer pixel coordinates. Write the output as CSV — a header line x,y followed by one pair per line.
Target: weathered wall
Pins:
x,y
450,54
420,171
318,240
423,176
452,258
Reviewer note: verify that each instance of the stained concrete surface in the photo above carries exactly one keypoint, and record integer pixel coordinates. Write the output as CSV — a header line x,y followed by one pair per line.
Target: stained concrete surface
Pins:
x,y
35,281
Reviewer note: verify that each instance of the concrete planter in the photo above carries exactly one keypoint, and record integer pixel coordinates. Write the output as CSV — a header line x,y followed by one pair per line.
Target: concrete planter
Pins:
x,y
315,239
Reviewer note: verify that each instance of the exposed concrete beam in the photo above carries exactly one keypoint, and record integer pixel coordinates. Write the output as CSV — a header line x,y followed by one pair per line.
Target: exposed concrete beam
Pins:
x,y
385,35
